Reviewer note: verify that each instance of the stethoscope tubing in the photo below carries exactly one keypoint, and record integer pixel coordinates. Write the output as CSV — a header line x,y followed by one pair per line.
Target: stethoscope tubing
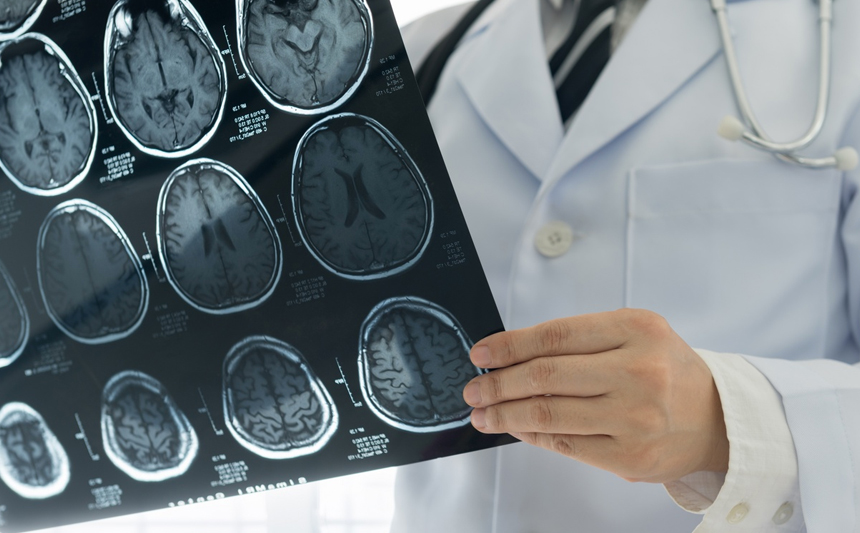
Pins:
x,y
844,159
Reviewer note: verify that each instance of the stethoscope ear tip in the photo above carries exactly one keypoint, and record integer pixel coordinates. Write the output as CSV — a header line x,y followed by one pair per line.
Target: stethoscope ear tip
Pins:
x,y
731,128
846,158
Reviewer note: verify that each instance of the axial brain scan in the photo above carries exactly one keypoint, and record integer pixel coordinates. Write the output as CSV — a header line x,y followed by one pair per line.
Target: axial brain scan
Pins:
x,y
14,322
47,121
16,16
362,206
217,241
92,282
166,81
306,56
274,405
414,363
33,463
144,433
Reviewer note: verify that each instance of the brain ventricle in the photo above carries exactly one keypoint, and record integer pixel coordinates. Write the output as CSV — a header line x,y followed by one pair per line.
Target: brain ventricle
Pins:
x,y
145,433
306,55
33,463
165,80
363,207
47,121
274,404
414,362
92,282
217,241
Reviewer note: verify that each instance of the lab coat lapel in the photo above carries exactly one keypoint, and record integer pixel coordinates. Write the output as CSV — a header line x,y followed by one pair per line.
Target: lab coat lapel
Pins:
x,y
507,80
671,41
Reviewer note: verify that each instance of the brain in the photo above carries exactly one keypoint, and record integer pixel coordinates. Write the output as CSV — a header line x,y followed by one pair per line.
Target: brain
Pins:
x,y
414,363
33,463
144,433
166,82
361,205
273,403
307,56
92,281
217,241
16,16
14,322
47,121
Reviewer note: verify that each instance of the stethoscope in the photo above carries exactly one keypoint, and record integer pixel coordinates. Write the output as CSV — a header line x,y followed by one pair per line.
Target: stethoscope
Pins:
x,y
730,127
733,129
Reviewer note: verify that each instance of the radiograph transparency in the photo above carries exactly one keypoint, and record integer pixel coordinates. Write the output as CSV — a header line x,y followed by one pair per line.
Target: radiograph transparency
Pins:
x,y
165,80
92,282
14,321
33,463
144,432
414,362
274,405
48,125
16,16
305,56
217,242
362,207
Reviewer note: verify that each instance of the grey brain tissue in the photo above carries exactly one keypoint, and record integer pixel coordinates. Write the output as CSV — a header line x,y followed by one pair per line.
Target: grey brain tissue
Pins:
x,y
274,405
33,463
414,363
362,206
306,56
47,120
16,16
91,280
14,321
218,243
166,82
144,433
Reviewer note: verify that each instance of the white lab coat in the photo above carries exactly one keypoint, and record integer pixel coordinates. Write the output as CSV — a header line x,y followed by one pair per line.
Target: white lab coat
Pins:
x,y
740,252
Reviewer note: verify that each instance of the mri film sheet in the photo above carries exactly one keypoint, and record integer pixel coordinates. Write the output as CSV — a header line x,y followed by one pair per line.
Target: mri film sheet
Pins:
x,y
231,257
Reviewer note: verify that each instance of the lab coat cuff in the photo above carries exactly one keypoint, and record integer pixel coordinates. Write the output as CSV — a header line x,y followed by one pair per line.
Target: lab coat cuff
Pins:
x,y
760,492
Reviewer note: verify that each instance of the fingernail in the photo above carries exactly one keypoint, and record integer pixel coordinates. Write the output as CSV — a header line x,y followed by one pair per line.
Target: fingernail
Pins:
x,y
479,419
481,356
472,394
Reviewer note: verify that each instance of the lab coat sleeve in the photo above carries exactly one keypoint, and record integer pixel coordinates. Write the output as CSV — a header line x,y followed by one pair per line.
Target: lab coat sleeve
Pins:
x,y
760,491
821,397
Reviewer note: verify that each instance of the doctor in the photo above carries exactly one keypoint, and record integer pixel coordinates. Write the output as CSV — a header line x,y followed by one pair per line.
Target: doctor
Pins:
x,y
625,197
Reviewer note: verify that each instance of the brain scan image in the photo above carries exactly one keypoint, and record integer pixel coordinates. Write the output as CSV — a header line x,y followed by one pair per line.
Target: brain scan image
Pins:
x,y
305,56
218,243
33,463
14,321
92,281
165,80
16,16
362,207
48,125
144,433
274,405
414,363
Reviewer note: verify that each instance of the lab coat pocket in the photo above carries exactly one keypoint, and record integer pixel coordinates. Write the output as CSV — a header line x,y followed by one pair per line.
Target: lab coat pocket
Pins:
x,y
735,254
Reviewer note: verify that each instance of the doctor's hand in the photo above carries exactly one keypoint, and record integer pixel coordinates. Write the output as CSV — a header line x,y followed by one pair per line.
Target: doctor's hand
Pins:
x,y
620,391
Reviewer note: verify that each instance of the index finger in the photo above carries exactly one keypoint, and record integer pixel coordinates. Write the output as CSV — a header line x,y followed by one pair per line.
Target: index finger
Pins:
x,y
583,334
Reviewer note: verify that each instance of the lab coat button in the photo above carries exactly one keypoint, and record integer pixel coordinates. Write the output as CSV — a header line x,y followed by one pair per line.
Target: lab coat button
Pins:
x,y
738,513
783,514
554,239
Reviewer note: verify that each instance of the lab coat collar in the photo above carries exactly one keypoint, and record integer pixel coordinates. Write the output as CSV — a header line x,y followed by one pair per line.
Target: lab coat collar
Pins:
x,y
506,78
671,41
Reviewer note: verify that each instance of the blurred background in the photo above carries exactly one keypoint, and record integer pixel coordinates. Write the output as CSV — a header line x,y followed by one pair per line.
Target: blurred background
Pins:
x,y
356,504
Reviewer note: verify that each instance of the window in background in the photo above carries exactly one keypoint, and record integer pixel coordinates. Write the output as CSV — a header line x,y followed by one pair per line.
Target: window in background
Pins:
x,y
362,503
